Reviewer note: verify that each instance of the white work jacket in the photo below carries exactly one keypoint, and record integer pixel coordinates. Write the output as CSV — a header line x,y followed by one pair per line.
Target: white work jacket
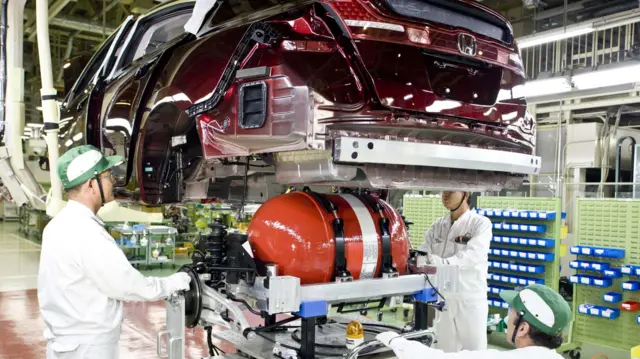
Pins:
x,y
408,349
83,279
465,244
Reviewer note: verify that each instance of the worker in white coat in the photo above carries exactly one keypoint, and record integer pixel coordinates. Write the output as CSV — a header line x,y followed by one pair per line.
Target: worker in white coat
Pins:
x,y
461,238
536,320
84,277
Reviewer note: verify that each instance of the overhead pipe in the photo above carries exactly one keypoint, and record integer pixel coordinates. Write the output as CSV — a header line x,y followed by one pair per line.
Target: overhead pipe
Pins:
x,y
50,109
54,10
3,64
67,54
14,94
619,143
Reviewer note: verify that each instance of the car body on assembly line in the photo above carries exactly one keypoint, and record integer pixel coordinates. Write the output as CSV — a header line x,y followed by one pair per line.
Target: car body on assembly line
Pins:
x,y
352,93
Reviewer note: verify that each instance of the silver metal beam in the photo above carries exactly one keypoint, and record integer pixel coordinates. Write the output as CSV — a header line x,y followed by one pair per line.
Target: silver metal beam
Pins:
x,y
363,289
84,26
73,23
355,150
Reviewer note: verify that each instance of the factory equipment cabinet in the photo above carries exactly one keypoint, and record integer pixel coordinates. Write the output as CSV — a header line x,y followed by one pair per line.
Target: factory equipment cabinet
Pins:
x,y
607,273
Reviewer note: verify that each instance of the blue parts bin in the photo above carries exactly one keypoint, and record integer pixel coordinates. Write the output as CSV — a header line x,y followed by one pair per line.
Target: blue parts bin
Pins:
x,y
612,297
592,281
496,289
631,270
599,311
603,252
517,267
516,280
524,241
631,286
592,266
612,273
498,303
532,228
535,256
507,213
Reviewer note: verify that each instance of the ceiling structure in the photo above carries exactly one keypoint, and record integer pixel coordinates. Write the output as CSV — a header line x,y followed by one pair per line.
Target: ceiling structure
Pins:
x,y
78,26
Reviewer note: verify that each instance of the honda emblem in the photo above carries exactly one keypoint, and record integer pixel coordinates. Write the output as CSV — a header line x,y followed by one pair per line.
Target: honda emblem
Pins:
x,y
467,44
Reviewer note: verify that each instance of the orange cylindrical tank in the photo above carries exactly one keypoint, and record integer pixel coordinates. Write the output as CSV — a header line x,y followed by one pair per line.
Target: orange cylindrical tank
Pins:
x,y
294,231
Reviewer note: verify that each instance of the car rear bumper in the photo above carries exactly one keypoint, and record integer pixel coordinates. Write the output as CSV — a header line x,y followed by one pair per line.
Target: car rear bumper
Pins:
x,y
353,150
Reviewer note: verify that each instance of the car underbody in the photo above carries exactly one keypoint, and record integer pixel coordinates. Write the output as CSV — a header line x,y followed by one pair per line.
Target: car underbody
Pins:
x,y
330,93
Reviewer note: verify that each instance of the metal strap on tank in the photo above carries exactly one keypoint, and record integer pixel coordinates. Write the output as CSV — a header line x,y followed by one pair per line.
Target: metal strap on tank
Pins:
x,y
376,206
340,268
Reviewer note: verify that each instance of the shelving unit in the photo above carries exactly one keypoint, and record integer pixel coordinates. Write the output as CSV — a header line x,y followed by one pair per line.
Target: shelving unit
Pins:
x,y
607,273
525,248
146,245
422,211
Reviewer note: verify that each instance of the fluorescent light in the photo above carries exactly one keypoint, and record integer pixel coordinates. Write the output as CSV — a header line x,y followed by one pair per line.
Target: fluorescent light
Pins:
x,y
608,77
66,65
603,23
553,35
548,86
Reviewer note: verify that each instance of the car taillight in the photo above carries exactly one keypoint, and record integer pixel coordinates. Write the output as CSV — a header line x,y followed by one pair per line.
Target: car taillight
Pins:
x,y
352,10
418,36
355,15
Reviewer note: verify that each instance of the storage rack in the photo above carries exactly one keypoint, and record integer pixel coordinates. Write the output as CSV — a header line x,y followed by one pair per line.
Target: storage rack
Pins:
x,y
525,248
608,255
422,211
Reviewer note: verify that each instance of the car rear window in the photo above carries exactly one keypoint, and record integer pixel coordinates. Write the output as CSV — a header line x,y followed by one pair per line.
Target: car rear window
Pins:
x,y
452,14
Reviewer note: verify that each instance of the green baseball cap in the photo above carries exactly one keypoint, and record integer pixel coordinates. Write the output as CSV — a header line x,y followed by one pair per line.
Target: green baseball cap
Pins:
x,y
80,164
543,308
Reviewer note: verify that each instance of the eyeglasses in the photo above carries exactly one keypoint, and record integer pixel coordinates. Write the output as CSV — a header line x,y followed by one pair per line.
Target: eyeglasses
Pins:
x,y
108,175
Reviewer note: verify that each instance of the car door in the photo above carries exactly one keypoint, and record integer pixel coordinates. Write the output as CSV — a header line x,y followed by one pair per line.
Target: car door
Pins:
x,y
133,79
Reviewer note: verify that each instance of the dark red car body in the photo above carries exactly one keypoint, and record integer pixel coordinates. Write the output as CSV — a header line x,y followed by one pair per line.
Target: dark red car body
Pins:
x,y
278,83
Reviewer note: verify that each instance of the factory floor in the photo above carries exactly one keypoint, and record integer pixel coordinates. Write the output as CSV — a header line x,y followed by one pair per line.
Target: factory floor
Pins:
x,y
21,326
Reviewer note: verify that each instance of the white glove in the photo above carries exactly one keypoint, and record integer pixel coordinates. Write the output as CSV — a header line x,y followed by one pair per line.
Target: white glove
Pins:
x,y
422,261
386,337
178,282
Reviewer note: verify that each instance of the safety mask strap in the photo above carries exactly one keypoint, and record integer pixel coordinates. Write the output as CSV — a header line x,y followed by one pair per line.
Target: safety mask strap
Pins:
x,y
97,176
517,326
464,197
